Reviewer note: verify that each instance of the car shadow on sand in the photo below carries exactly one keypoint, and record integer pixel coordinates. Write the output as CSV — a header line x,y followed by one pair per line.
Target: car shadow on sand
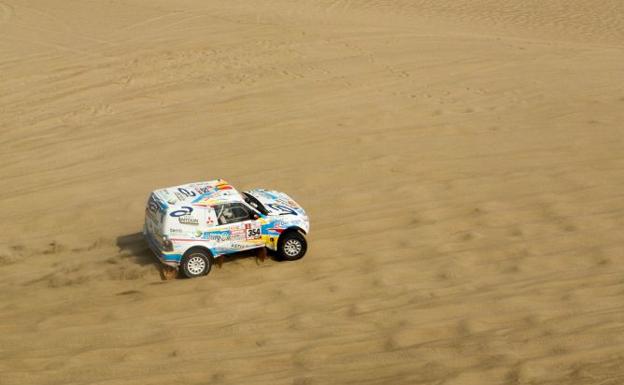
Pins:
x,y
135,246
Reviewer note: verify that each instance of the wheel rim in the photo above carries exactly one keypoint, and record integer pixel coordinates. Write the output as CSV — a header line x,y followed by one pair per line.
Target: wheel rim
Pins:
x,y
292,247
196,264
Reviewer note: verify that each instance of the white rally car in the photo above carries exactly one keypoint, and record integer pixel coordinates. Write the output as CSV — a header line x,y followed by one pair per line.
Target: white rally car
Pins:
x,y
188,226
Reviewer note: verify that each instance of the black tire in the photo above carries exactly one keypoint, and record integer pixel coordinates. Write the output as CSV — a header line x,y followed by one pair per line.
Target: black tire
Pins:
x,y
195,263
291,246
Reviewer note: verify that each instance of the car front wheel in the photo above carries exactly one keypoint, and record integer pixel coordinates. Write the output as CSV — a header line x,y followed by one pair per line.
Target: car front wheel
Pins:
x,y
196,263
292,246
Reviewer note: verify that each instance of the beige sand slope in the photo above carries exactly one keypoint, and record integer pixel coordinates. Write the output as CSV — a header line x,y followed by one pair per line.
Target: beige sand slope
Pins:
x,y
461,160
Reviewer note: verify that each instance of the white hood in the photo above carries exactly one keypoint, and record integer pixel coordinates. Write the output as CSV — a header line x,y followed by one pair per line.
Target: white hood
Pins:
x,y
277,203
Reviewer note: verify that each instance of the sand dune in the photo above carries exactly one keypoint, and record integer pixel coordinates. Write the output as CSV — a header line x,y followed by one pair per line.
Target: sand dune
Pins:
x,y
461,162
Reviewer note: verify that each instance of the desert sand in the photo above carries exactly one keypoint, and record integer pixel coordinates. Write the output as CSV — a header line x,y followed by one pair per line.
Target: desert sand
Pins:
x,y
461,161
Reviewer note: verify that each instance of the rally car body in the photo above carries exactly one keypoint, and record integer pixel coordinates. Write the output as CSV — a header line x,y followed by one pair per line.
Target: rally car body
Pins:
x,y
215,218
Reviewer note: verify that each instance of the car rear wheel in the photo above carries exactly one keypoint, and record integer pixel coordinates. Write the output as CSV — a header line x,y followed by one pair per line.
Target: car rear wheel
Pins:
x,y
291,246
195,263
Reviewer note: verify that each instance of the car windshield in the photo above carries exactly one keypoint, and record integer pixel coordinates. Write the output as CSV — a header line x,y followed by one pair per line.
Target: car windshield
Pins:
x,y
253,202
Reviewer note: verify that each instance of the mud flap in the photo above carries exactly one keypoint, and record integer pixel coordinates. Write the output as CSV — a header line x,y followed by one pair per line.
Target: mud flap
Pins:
x,y
167,272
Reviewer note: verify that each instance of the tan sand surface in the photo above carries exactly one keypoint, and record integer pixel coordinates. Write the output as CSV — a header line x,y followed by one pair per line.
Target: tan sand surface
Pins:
x,y
462,162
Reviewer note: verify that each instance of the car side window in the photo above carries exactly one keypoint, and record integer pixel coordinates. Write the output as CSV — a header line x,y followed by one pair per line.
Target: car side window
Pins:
x,y
232,213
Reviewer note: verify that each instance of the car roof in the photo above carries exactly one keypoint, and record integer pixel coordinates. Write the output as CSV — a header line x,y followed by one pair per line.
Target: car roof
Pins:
x,y
207,193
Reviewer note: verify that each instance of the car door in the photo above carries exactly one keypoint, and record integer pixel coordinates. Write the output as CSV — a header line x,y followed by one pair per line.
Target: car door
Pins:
x,y
242,225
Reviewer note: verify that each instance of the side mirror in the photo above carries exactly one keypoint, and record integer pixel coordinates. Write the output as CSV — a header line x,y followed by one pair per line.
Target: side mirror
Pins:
x,y
255,216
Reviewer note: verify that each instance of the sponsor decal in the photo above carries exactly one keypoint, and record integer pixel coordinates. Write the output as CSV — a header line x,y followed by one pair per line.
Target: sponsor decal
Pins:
x,y
188,220
185,210
281,209
201,190
253,233
277,226
153,205
238,235
217,236
185,192
209,189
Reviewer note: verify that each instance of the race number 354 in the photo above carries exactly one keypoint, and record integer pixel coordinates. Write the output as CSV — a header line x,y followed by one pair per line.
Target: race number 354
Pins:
x,y
253,233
